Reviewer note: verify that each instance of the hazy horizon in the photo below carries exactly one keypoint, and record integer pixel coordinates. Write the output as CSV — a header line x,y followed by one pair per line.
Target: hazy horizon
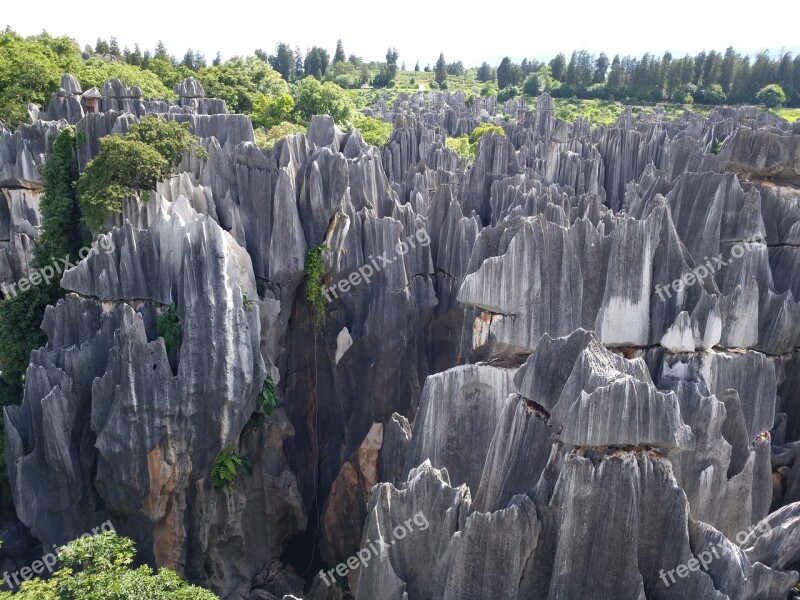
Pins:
x,y
464,36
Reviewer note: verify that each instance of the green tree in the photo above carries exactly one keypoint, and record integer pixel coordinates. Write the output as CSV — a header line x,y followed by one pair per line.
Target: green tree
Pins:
x,y
772,96
374,131
131,163
485,73
30,72
614,80
391,63
269,111
316,63
283,61
558,67
239,82
508,93
712,94
123,166
113,47
726,72
169,138
98,568
339,55
94,72
600,68
441,69
344,74
315,98
61,235
484,129
161,52
532,86
506,74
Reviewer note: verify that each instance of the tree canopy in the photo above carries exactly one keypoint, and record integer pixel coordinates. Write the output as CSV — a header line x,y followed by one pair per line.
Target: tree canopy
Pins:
x,y
130,163
98,567
315,98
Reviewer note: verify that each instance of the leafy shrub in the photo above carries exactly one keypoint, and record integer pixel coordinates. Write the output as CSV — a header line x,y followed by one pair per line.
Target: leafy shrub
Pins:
x,y
168,327
508,93
712,94
269,111
226,466
374,131
771,96
315,98
461,146
266,139
268,398
315,271
482,130
98,568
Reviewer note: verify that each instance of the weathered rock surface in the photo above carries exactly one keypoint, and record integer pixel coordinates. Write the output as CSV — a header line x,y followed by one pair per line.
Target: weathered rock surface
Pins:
x,y
593,332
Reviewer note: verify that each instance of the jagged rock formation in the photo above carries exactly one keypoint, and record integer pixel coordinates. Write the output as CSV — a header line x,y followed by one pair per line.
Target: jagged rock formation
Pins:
x,y
576,357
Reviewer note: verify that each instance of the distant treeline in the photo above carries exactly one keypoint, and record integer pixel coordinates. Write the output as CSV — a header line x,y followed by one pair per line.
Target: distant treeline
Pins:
x,y
709,77
261,84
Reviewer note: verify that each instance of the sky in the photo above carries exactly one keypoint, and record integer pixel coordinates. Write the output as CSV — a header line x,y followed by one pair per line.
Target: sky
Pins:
x,y
421,29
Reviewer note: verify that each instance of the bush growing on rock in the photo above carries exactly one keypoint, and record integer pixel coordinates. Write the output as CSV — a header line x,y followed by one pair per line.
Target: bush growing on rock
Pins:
x,y
123,166
266,138
131,163
482,130
226,467
169,328
315,271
